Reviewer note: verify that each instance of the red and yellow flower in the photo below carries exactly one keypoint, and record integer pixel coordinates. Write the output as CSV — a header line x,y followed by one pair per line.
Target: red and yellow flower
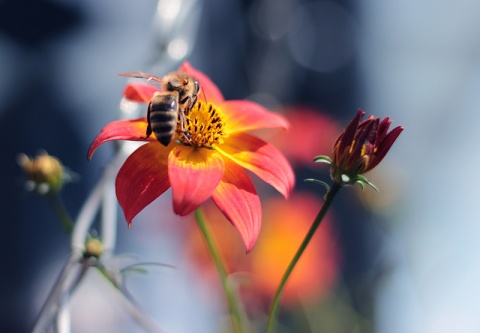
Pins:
x,y
209,165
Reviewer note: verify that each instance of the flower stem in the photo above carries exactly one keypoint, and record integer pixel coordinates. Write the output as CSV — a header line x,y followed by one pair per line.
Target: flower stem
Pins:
x,y
63,286
61,212
236,314
321,214
134,310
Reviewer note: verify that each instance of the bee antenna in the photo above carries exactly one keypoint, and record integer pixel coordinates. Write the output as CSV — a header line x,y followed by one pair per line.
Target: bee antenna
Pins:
x,y
204,96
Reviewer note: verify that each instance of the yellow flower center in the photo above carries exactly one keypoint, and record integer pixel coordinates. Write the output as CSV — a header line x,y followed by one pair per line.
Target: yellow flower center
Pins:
x,y
204,126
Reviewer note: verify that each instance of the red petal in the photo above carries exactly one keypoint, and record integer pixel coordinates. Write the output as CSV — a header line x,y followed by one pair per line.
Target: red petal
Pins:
x,y
238,200
142,178
350,131
194,174
247,115
383,129
210,89
263,159
132,130
385,146
140,92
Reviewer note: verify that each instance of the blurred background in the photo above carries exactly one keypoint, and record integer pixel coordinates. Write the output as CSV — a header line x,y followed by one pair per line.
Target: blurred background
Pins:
x,y
404,259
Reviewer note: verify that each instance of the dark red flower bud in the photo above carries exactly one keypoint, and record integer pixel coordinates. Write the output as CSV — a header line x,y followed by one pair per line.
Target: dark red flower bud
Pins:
x,y
361,147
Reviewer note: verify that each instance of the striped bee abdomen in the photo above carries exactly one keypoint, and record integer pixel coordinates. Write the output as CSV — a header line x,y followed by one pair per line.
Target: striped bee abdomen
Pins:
x,y
162,117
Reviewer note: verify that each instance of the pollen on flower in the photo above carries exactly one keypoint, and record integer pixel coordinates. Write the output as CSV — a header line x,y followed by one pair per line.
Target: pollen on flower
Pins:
x,y
205,126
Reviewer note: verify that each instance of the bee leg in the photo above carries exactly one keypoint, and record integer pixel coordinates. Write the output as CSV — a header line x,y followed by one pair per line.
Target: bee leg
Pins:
x,y
182,124
193,101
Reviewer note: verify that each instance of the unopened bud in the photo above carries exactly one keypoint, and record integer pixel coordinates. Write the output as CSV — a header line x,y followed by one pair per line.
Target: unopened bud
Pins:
x,y
44,173
93,248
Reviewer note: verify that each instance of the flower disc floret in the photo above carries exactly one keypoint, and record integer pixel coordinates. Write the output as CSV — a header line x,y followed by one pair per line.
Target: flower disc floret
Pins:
x,y
205,124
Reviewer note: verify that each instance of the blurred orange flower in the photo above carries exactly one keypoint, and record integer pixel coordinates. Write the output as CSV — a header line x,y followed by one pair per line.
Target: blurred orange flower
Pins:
x,y
311,133
284,226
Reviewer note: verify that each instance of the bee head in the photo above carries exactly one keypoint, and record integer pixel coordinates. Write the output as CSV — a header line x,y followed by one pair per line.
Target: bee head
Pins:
x,y
173,84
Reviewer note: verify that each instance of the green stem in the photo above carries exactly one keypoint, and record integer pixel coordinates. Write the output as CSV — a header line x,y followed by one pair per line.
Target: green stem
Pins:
x,y
321,214
128,302
107,275
230,293
61,212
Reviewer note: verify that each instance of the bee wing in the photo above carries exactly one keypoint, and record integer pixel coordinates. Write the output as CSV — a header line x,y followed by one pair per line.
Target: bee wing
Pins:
x,y
141,75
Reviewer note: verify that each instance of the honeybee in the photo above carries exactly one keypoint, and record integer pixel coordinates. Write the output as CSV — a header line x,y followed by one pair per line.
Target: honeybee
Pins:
x,y
179,94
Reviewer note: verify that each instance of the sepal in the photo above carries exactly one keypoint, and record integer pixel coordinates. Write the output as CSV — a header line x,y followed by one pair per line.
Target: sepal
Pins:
x,y
316,181
322,159
361,180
